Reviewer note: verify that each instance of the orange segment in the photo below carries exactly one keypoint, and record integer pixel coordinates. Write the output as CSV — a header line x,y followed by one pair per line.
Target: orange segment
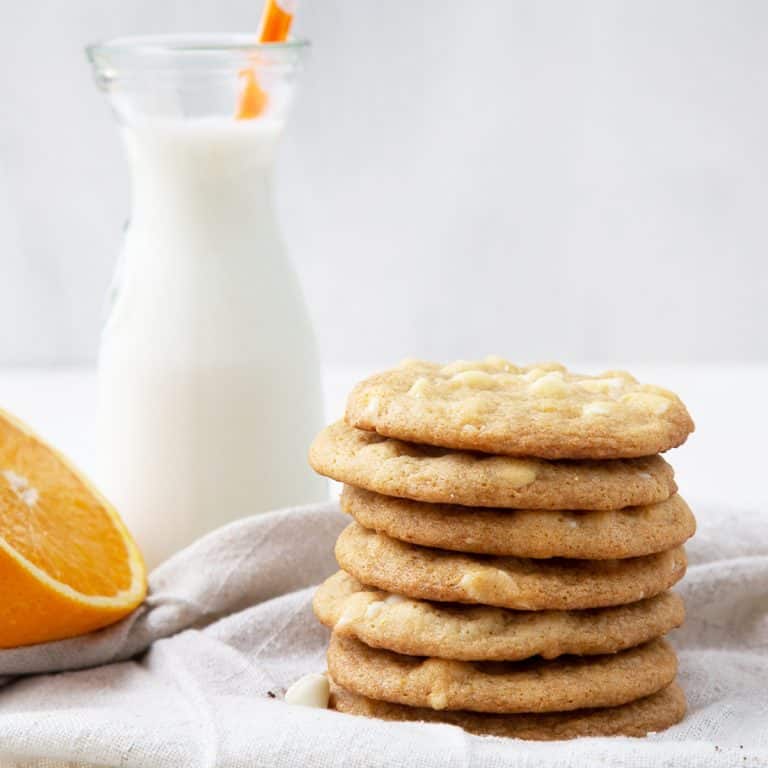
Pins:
x,y
275,26
67,563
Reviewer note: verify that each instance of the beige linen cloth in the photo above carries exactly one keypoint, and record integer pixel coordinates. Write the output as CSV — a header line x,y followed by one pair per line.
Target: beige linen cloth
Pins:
x,y
229,622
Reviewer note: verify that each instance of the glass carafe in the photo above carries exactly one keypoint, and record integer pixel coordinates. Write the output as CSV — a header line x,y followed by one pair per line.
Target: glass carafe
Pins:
x,y
209,387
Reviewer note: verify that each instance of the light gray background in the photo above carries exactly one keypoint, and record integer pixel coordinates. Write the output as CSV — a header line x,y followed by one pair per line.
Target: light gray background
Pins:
x,y
542,179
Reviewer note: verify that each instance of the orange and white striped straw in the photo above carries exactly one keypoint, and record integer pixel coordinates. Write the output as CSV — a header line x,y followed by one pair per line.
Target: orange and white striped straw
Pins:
x,y
276,21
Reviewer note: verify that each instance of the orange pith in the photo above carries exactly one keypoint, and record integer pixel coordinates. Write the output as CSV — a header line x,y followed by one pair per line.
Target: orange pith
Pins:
x,y
67,563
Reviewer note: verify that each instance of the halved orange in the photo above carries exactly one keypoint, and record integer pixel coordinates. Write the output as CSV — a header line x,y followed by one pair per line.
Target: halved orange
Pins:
x,y
68,565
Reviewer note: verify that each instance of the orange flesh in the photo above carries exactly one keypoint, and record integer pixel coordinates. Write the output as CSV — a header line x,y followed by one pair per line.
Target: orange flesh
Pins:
x,y
50,517
275,25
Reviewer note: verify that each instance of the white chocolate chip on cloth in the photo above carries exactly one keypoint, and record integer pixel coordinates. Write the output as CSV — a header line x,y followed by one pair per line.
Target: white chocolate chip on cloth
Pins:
x,y
507,582
310,690
589,535
425,473
543,410
482,633
534,685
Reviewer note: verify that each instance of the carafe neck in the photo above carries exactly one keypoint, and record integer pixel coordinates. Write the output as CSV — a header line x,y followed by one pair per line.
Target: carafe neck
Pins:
x,y
210,178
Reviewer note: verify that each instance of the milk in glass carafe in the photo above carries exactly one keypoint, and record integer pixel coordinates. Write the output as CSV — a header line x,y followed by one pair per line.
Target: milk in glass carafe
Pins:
x,y
209,388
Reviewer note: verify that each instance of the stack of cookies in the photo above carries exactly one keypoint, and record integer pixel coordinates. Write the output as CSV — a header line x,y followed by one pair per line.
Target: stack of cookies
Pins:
x,y
514,537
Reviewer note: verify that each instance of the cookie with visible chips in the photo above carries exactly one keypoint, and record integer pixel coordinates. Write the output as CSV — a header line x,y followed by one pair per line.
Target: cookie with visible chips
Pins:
x,y
637,718
543,410
507,582
483,633
534,685
426,473
590,535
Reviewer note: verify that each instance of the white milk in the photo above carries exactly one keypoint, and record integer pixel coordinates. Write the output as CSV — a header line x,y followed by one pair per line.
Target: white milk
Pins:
x,y
209,383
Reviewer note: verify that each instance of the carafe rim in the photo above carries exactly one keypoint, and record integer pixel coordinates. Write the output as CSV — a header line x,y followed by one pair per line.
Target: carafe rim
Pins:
x,y
192,44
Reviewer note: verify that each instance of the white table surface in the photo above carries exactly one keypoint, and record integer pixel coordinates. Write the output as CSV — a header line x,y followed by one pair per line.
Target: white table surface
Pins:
x,y
723,462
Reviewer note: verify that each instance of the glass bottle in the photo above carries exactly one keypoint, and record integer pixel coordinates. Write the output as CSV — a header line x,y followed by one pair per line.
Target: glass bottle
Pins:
x,y
209,385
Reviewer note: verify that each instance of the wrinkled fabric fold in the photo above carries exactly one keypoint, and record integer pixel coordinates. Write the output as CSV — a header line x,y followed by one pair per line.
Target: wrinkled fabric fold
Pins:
x,y
195,676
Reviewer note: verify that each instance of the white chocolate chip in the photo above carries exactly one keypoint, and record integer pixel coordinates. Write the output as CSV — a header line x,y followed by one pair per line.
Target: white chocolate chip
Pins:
x,y
550,385
514,380
395,599
534,373
599,408
372,406
348,615
437,700
474,378
420,387
516,473
478,584
457,367
610,386
469,583
647,401
470,410
374,609
312,690
500,364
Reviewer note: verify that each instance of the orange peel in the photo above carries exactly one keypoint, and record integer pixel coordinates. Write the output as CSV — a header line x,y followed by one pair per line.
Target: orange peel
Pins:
x,y
68,564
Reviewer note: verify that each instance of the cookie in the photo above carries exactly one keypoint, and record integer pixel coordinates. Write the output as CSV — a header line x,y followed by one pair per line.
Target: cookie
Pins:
x,y
638,718
541,410
425,473
623,533
508,582
534,685
481,633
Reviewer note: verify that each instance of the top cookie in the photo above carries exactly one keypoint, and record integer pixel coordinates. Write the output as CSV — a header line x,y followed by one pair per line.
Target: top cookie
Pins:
x,y
540,410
